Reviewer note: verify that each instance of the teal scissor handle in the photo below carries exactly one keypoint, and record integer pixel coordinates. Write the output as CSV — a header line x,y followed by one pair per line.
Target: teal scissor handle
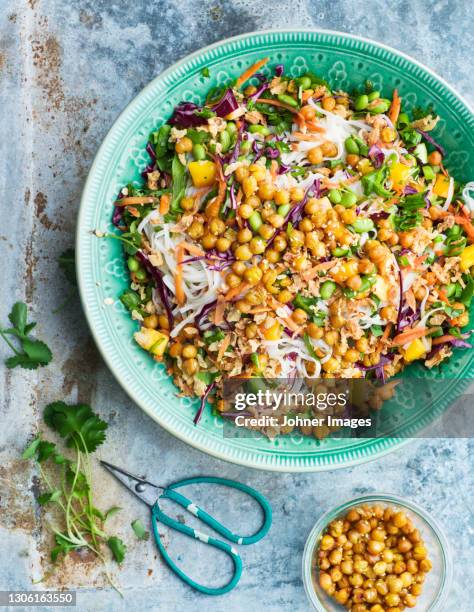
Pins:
x,y
171,493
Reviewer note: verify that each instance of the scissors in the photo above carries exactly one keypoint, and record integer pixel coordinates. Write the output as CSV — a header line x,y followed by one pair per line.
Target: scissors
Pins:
x,y
151,495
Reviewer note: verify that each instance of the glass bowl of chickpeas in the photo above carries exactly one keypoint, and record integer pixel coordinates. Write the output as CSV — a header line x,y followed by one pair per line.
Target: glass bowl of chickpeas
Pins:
x,y
377,553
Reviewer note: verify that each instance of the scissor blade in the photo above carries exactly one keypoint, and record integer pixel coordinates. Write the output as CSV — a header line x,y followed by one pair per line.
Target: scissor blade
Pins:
x,y
146,491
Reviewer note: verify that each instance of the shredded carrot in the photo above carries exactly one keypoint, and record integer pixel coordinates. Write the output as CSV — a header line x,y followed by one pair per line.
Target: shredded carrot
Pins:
x,y
306,95
223,347
395,107
408,335
274,168
235,291
467,226
301,136
219,311
178,279
314,271
133,211
135,200
259,310
245,76
165,203
387,331
442,339
314,127
192,249
280,104
443,169
443,297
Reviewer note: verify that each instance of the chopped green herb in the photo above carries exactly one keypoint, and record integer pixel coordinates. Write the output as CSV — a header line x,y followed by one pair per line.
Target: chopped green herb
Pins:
x,y
139,529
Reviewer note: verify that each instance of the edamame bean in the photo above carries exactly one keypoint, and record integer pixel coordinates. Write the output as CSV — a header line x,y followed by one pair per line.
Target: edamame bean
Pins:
x,y
287,100
340,252
335,196
363,225
373,95
259,129
245,146
140,274
231,127
304,82
327,289
348,199
224,139
361,102
284,209
133,264
351,146
381,107
255,221
451,290
199,152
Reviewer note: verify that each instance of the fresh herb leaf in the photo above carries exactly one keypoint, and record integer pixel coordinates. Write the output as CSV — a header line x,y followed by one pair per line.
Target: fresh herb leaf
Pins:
x,y
309,346
160,139
118,548
34,352
139,529
111,511
205,72
207,377
374,182
178,175
46,498
409,215
77,424
418,112
64,546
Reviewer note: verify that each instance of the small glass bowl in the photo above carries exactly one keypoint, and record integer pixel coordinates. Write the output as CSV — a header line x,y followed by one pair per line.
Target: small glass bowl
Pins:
x,y
438,580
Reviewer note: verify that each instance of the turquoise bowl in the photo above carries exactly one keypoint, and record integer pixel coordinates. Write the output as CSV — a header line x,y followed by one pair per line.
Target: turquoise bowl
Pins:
x,y
346,62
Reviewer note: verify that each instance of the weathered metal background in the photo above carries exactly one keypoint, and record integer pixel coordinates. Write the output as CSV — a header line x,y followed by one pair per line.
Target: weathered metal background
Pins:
x,y
67,70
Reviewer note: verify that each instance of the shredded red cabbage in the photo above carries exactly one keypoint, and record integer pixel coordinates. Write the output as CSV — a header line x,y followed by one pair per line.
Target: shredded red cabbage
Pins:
x,y
283,169
263,87
226,104
383,214
117,216
205,310
198,416
184,115
279,68
376,155
271,153
409,190
236,152
233,201
432,141
160,285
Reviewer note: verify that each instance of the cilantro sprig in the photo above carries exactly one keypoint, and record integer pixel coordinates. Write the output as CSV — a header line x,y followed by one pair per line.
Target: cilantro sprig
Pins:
x,y
67,482
30,353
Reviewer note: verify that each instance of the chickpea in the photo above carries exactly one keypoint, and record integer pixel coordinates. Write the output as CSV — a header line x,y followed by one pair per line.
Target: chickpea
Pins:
x,y
331,337
258,171
244,235
243,253
190,366
187,203
329,149
208,241
266,191
352,159
308,112
352,356
223,244
347,567
419,552
245,211
354,282
184,145
196,230
250,331
238,267
325,581
189,351
331,365
257,246
276,220
249,185
388,134
285,296
176,349
305,225
163,322
314,331
328,103
241,173
282,196
299,316
266,231
375,547
280,243
253,275
389,313
243,306
296,194
151,322
315,155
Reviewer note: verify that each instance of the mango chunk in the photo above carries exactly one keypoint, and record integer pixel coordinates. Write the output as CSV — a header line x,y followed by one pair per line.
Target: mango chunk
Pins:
x,y
415,350
441,187
203,173
151,340
399,174
273,332
467,258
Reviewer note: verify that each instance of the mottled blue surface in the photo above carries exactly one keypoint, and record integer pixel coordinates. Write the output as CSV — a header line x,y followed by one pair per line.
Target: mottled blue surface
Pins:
x,y
67,70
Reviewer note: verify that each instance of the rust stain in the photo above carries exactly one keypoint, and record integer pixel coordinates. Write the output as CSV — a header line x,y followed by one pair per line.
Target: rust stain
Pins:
x,y
30,260
16,502
32,4
47,61
41,201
